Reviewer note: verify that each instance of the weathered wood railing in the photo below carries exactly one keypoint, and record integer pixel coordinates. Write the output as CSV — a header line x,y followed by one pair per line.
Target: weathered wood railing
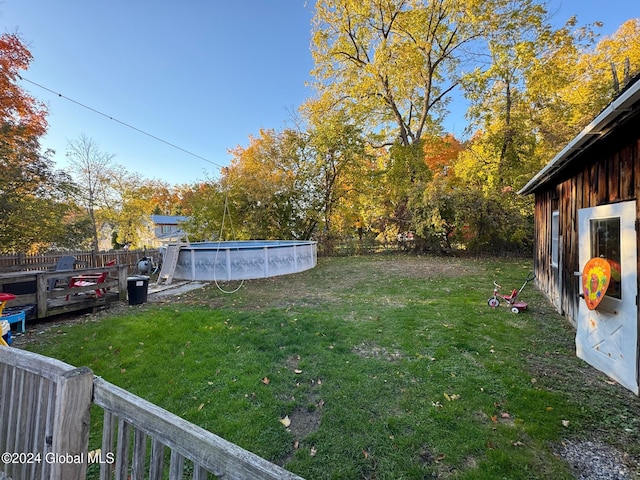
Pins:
x,y
44,408
44,416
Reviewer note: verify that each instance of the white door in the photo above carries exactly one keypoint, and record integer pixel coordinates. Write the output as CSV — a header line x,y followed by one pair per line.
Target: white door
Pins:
x,y
607,337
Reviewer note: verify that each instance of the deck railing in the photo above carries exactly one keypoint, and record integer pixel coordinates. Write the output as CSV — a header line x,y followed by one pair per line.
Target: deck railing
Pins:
x,y
44,424
44,416
41,296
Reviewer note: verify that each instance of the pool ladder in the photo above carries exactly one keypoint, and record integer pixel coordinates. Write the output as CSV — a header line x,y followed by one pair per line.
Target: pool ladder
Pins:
x,y
169,264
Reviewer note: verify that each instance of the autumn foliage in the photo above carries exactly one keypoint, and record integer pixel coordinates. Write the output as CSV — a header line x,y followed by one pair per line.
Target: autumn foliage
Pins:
x,y
369,161
25,176
18,110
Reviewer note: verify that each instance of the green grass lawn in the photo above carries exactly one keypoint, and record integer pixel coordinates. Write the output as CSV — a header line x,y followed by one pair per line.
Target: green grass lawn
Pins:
x,y
387,367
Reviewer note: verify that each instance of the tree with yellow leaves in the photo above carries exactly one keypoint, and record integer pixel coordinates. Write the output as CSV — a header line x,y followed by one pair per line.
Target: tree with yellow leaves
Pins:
x,y
268,188
602,73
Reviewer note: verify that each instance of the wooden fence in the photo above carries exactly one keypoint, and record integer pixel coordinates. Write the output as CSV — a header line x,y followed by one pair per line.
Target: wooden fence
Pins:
x,y
22,261
44,426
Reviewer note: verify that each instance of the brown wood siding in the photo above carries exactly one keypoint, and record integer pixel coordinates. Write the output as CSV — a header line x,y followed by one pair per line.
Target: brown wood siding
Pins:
x,y
546,277
608,172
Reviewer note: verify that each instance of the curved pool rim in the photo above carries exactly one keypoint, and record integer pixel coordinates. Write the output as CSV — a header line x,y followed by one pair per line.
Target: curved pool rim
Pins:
x,y
244,259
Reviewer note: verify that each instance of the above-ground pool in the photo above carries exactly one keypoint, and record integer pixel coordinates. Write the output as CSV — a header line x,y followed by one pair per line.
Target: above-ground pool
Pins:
x,y
242,260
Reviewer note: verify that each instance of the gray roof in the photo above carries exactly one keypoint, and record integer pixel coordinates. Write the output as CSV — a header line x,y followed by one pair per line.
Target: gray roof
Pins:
x,y
168,219
616,113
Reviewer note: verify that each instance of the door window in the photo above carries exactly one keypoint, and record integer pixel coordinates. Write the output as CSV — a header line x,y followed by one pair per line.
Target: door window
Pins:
x,y
605,243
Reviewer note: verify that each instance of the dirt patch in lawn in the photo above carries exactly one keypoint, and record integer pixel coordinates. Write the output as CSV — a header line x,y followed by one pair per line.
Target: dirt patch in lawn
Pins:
x,y
303,422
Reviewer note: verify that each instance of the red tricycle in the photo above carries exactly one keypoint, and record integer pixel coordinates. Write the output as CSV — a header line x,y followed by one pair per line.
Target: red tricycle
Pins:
x,y
512,300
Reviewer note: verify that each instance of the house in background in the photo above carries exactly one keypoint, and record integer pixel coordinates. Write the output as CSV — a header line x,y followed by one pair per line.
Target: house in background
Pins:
x,y
166,229
587,202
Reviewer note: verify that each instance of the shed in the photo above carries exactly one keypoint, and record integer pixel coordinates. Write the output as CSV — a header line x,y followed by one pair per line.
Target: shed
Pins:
x,y
587,206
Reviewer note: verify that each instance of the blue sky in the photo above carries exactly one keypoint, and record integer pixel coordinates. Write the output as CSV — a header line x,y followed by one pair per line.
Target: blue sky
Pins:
x,y
200,74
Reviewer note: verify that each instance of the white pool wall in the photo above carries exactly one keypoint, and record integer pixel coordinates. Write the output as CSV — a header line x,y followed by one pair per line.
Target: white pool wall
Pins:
x,y
244,260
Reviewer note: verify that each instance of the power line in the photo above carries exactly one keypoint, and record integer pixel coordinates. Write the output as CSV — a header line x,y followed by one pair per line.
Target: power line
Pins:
x,y
121,122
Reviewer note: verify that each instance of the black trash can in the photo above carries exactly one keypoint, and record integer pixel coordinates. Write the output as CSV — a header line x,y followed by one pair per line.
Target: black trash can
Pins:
x,y
137,287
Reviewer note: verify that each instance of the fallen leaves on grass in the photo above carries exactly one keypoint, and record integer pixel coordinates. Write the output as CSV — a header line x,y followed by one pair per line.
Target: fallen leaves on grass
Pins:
x,y
286,421
503,416
266,380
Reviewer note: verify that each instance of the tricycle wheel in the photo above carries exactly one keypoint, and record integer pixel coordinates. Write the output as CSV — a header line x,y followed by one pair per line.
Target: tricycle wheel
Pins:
x,y
515,309
493,302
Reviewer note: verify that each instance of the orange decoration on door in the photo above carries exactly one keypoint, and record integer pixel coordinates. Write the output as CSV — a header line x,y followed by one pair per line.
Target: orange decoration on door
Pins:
x,y
595,281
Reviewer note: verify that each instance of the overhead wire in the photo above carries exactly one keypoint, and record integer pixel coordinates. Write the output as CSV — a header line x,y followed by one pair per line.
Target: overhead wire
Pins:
x,y
226,212
98,112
